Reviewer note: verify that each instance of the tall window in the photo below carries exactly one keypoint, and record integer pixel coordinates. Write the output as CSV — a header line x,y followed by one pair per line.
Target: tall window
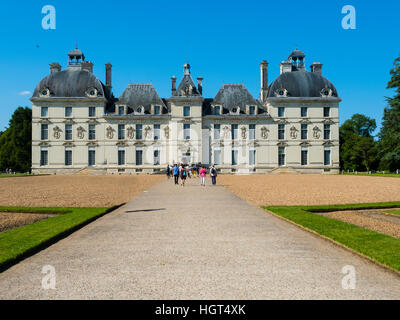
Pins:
x,y
281,112
186,131
121,156
252,157
327,157
217,131
156,157
217,156
68,157
44,131
92,132
43,156
68,112
44,111
68,132
234,157
92,112
139,156
304,156
121,132
186,111
304,131
91,156
157,109
327,131
252,110
120,110
139,132
281,156
326,112
281,131
216,110
303,112
234,131
156,132
252,131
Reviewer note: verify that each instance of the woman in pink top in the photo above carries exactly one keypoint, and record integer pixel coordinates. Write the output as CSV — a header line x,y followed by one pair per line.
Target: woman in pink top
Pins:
x,y
203,173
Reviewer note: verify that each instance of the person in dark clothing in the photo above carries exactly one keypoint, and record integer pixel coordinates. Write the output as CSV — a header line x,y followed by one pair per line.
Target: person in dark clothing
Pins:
x,y
168,171
213,174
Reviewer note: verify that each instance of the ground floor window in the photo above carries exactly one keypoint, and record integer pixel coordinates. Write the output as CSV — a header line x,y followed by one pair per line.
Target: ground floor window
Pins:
x,y
327,157
121,157
281,156
139,157
252,157
234,157
92,157
43,157
217,156
68,156
304,156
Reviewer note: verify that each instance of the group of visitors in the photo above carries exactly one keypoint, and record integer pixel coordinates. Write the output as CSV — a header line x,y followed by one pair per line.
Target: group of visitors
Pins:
x,y
183,171
9,171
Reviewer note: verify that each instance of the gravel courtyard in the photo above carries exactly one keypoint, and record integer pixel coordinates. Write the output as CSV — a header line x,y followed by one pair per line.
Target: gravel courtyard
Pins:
x,y
73,190
288,189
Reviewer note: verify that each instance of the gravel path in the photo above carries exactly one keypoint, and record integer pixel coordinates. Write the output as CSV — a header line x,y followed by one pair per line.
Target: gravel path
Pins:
x,y
73,190
369,219
195,242
310,189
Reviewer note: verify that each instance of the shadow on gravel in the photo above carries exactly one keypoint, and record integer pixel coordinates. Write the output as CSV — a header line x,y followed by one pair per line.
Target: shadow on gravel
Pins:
x,y
145,210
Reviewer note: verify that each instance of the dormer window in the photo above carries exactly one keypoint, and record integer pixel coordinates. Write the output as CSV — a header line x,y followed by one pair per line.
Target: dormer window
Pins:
x,y
252,110
44,92
121,110
282,92
91,92
157,110
326,92
139,110
217,110
235,110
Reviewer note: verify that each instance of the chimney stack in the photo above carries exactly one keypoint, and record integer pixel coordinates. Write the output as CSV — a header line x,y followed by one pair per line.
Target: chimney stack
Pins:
x,y
54,67
108,75
173,85
264,80
87,65
316,67
286,66
200,85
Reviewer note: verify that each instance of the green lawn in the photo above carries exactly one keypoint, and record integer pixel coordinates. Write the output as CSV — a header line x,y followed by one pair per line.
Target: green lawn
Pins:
x,y
17,243
3,175
396,212
379,247
372,174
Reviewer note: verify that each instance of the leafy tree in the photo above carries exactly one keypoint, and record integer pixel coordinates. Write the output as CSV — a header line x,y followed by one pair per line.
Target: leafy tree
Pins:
x,y
16,141
358,149
389,145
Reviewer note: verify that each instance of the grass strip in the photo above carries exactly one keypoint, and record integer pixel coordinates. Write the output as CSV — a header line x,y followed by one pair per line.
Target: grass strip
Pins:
x,y
379,247
19,243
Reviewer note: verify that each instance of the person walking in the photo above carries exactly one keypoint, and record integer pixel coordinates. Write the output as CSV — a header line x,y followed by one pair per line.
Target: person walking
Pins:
x,y
213,174
168,171
203,173
183,175
176,173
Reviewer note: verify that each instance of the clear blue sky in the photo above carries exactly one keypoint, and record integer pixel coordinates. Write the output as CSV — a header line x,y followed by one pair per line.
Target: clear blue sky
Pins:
x,y
224,41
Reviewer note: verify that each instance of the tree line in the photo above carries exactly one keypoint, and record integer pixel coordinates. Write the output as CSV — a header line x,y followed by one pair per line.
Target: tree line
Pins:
x,y
360,150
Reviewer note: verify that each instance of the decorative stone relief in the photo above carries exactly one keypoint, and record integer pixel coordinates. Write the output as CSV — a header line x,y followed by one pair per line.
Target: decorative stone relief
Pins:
x,y
110,132
225,132
293,132
166,132
147,132
264,133
80,131
130,132
243,129
316,132
57,132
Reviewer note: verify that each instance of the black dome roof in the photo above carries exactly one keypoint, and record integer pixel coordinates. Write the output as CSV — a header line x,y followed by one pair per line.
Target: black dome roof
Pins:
x,y
71,82
301,84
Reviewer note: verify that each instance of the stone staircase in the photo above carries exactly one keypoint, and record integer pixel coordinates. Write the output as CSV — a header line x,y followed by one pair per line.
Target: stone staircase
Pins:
x,y
90,171
284,170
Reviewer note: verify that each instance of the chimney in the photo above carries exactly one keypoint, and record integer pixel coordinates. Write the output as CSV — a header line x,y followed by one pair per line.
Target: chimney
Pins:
x,y
54,67
87,65
286,66
264,80
316,67
173,85
200,85
108,75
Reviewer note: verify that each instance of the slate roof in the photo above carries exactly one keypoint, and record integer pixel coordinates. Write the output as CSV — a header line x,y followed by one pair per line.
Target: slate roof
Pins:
x,y
235,95
301,83
141,94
